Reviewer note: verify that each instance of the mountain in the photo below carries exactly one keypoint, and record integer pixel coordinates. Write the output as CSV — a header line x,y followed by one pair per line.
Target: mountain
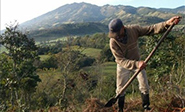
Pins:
x,y
71,18
180,10
69,13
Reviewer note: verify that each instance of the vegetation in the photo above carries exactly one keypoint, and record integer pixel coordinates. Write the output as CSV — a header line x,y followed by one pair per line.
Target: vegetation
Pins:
x,y
17,70
68,30
78,74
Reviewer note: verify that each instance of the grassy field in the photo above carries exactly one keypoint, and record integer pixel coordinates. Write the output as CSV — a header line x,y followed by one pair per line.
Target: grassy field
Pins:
x,y
109,68
43,57
91,52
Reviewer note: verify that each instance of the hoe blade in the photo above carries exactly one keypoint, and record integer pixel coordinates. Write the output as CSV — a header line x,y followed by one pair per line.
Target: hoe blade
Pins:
x,y
111,102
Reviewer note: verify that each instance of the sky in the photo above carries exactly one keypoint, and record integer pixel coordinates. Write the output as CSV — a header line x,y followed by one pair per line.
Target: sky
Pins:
x,y
24,10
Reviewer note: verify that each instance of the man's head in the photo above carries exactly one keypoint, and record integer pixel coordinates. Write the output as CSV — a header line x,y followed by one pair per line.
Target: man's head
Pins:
x,y
114,28
115,25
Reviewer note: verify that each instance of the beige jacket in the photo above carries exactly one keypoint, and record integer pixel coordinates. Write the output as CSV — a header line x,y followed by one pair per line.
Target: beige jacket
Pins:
x,y
127,55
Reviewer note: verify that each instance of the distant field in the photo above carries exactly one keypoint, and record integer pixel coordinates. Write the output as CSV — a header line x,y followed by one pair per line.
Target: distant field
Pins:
x,y
52,41
92,52
43,57
107,68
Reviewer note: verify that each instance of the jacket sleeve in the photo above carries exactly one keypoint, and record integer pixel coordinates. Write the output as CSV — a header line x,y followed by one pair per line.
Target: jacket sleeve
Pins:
x,y
153,29
120,56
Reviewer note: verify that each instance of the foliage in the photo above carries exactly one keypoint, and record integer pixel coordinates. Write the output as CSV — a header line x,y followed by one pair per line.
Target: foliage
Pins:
x,y
18,72
106,54
70,61
167,55
98,40
48,63
53,49
75,59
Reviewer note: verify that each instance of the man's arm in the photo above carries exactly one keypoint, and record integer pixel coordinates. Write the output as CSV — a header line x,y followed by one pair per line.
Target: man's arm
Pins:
x,y
174,20
157,28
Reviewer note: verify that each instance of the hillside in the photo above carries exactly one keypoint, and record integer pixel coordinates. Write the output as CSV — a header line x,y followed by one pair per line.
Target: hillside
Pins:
x,y
180,10
70,29
77,13
69,13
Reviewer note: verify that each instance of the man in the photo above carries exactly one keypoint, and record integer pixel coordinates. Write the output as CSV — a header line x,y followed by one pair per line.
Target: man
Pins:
x,y
124,47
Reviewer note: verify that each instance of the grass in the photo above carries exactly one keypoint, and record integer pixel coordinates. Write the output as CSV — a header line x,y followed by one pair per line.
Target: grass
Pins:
x,y
43,57
109,68
3,49
52,72
92,52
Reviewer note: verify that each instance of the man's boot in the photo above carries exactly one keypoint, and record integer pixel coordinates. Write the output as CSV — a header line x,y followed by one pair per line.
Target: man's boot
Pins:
x,y
121,102
146,101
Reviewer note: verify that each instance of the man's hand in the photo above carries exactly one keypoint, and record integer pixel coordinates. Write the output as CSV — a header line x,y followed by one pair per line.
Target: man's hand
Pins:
x,y
174,20
141,65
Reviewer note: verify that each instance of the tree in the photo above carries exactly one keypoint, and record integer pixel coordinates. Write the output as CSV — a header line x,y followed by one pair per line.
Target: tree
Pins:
x,y
48,63
21,78
168,57
106,54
